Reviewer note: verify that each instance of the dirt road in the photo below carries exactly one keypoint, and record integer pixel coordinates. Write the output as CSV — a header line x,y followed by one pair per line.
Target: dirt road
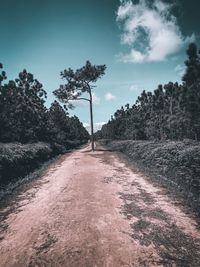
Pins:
x,y
90,209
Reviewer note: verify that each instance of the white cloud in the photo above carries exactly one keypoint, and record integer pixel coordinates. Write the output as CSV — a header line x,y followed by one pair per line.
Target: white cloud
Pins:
x,y
85,124
190,39
133,87
109,96
180,69
78,103
97,126
82,103
151,31
96,100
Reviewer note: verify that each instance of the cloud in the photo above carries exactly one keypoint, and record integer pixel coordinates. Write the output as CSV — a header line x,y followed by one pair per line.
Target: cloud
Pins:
x,y
78,103
82,103
97,126
133,87
180,69
86,125
150,31
190,39
109,96
96,100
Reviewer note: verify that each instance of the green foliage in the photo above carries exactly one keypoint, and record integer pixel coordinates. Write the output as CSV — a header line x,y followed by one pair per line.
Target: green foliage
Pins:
x,y
17,160
192,74
171,112
176,163
22,111
57,123
24,117
63,129
2,74
78,82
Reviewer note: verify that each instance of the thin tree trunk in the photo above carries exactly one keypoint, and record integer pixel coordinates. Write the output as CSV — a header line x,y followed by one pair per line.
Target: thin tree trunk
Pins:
x,y
91,122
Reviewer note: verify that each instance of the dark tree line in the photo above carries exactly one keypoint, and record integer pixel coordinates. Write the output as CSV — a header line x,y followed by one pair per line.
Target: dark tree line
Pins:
x,y
170,112
24,117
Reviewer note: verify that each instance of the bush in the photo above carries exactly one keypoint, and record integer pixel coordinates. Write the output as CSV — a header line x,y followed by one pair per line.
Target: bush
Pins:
x,y
17,160
175,162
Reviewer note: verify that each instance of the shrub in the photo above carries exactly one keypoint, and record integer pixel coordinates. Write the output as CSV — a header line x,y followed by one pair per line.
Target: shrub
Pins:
x,y
175,162
17,160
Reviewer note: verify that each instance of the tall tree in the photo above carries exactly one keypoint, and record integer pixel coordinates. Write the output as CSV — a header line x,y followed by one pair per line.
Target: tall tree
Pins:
x,y
2,74
78,82
63,129
172,111
191,90
192,73
58,124
22,110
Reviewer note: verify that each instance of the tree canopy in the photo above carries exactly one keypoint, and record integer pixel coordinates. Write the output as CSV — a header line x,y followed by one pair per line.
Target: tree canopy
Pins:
x,y
77,83
25,118
172,111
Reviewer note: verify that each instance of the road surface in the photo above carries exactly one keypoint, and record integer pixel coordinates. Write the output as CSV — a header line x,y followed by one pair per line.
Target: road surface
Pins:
x,y
90,209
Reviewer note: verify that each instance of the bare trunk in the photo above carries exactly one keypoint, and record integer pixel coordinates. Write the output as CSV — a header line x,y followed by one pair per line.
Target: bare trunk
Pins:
x,y
91,122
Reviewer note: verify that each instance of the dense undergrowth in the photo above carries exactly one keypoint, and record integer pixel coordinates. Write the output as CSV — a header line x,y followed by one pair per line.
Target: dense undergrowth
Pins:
x,y
176,163
17,160
31,133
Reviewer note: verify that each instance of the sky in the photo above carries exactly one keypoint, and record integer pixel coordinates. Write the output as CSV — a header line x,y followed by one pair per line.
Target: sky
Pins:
x,y
142,43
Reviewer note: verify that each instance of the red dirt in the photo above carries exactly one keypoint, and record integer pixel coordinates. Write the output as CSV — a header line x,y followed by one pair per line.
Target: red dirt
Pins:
x,y
91,210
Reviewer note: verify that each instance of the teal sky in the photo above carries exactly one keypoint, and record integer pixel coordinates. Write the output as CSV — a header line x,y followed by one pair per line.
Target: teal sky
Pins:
x,y
46,37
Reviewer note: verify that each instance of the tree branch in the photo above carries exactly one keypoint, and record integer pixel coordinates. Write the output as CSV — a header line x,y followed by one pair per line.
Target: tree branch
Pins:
x,y
81,98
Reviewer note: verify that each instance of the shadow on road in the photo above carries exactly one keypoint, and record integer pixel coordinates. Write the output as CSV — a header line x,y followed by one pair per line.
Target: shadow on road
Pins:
x,y
97,150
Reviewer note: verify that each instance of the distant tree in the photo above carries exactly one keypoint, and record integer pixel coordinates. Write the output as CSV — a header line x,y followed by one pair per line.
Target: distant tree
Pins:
x,y
191,91
2,74
171,111
192,73
77,130
2,100
78,82
22,110
31,106
62,129
57,124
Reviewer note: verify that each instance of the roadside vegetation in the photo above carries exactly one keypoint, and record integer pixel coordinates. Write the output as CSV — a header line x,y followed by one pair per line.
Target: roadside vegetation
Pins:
x,y
161,131
171,112
30,133
17,160
175,164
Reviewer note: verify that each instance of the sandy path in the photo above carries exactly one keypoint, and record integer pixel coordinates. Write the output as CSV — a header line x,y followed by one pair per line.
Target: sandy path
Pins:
x,y
92,210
